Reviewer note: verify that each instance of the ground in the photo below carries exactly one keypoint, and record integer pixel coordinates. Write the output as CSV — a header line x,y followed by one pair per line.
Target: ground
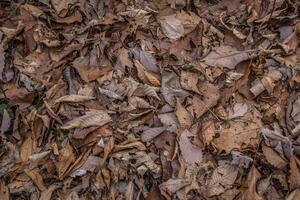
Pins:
x,y
149,99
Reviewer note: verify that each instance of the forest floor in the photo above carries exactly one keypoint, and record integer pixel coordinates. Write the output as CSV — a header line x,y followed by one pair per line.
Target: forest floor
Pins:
x,y
156,99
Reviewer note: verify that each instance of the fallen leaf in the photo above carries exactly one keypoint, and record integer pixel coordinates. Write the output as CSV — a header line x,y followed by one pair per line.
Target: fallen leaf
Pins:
x,y
225,56
173,185
6,122
26,149
189,81
273,158
184,117
177,25
36,178
73,98
91,163
2,59
146,76
294,178
222,178
239,110
47,194
67,157
172,27
242,133
151,133
190,153
250,193
92,118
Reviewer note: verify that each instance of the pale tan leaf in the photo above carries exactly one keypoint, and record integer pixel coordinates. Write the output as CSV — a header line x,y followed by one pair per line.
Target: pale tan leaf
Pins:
x,y
189,81
242,133
250,192
172,185
151,133
26,149
66,158
184,117
273,158
146,76
46,195
138,102
294,178
225,56
92,118
36,178
171,27
190,153
74,98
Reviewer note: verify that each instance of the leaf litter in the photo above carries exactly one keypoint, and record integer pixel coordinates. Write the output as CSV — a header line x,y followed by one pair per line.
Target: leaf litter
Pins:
x,y
168,99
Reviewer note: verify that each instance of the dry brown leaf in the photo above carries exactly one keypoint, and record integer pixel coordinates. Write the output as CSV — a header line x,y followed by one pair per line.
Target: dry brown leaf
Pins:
x,y
4,191
46,195
273,158
92,118
294,178
208,132
294,195
239,110
138,102
75,17
184,117
173,185
146,76
74,98
2,60
61,6
225,56
89,72
242,133
189,81
210,98
66,158
171,27
106,176
222,178
151,133
250,193
190,153
177,25
36,178
26,149
6,122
